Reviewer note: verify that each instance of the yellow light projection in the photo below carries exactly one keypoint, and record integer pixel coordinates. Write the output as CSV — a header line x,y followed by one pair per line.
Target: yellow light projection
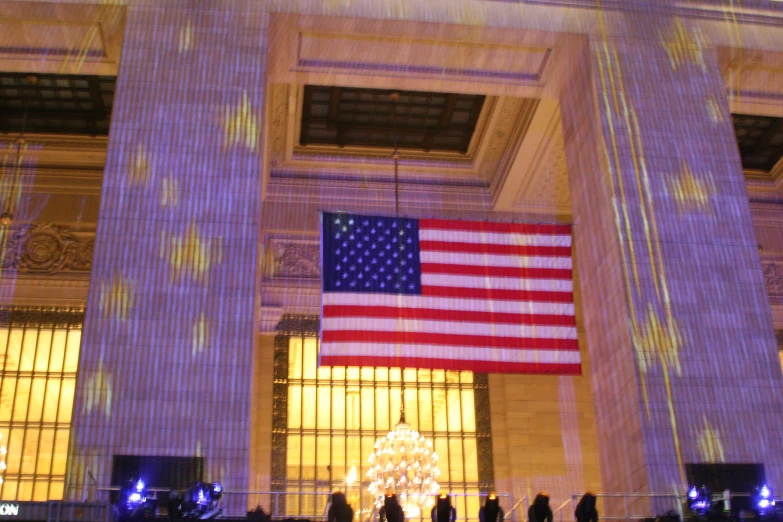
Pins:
x,y
241,125
691,193
190,254
139,173
98,391
654,340
186,38
684,46
74,61
710,444
116,298
714,109
200,334
169,192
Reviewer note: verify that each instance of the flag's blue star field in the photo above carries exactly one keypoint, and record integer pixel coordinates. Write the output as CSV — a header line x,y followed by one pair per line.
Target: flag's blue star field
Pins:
x,y
371,254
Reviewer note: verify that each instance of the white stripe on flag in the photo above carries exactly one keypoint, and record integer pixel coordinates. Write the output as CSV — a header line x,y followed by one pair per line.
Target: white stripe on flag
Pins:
x,y
460,258
497,283
447,303
494,238
463,353
522,331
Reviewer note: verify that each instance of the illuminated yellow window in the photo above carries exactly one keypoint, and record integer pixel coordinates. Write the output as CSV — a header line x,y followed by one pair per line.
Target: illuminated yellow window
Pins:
x,y
39,354
335,415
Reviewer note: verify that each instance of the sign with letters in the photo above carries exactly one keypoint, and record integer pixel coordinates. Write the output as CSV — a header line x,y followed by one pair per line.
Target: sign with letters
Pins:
x,y
9,510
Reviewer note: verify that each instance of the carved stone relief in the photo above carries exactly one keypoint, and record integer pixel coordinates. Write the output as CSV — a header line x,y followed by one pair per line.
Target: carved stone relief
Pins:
x,y
773,275
295,258
47,249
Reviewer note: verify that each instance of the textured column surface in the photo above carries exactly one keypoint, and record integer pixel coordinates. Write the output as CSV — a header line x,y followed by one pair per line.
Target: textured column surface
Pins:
x,y
167,355
683,359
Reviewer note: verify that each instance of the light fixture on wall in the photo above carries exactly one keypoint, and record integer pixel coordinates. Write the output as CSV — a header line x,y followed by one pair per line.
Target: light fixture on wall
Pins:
x,y
15,170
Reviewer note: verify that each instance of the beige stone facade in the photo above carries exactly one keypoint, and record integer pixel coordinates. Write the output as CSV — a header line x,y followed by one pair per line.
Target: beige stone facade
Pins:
x,y
193,229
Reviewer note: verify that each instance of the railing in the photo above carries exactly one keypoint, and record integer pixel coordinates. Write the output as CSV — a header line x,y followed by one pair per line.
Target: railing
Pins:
x,y
511,515
608,503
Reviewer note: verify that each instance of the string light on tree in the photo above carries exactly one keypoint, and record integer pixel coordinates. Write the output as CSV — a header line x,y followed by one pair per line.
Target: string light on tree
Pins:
x,y
404,463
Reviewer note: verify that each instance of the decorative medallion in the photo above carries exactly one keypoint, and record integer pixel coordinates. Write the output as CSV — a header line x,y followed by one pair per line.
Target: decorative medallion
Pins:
x,y
691,193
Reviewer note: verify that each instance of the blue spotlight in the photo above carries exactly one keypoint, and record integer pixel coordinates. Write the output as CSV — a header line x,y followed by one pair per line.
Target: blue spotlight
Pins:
x,y
764,502
699,501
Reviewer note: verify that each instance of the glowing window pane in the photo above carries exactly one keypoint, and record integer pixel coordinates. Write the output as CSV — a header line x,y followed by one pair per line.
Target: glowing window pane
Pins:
x,y
395,375
30,451
294,407
13,458
21,399
323,421
295,359
14,350
42,351
57,354
368,373
411,408
41,490
60,452
293,456
352,373
323,457
308,407
51,399
410,374
466,377
381,374
438,376
56,489
66,400
442,449
471,460
309,358
36,399
455,414
3,344
7,392
439,409
29,344
338,407
308,457
468,411
368,408
9,489
338,459
382,409
74,337
45,448
352,408
25,491
425,409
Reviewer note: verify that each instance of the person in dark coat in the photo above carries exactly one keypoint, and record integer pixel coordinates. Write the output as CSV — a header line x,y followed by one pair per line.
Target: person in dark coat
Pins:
x,y
585,509
391,510
491,512
443,510
339,511
540,510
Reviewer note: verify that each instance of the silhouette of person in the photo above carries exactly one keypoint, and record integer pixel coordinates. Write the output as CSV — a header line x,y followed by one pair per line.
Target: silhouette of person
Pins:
x,y
443,510
339,511
585,509
540,510
391,510
491,512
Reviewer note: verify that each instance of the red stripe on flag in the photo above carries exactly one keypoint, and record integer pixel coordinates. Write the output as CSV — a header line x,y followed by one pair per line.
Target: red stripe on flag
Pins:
x,y
483,341
392,312
452,364
491,248
497,294
479,226
497,271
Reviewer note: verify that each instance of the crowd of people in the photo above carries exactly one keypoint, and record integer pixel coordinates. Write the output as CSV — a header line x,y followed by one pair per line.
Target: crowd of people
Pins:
x,y
339,510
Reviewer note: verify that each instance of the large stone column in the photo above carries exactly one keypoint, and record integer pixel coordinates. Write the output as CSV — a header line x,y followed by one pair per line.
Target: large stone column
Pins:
x,y
683,359
167,354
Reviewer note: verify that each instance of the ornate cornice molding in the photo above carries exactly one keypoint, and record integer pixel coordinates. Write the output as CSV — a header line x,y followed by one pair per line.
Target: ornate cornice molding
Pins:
x,y
47,249
773,277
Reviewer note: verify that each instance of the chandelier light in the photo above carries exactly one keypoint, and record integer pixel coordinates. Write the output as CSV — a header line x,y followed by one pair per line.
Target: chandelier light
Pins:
x,y
405,464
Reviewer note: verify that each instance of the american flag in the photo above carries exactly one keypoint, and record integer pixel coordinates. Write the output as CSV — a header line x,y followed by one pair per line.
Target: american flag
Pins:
x,y
447,294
